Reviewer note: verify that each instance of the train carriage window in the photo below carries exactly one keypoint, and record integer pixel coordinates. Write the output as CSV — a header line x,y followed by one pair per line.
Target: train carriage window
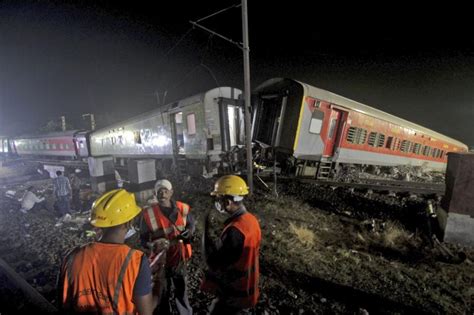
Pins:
x,y
416,148
388,145
317,122
356,135
61,146
405,146
53,146
47,146
66,146
381,140
137,137
372,139
361,136
351,134
426,150
442,154
191,124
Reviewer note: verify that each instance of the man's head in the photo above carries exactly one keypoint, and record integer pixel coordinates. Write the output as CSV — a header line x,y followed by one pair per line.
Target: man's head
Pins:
x,y
229,192
114,211
163,191
59,173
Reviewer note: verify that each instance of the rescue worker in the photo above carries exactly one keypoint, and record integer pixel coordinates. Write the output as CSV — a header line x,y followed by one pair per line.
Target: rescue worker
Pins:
x,y
170,219
233,272
107,276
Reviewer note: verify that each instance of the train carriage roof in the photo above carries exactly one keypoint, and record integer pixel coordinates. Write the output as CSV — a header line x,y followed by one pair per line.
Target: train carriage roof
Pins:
x,y
362,108
173,106
55,134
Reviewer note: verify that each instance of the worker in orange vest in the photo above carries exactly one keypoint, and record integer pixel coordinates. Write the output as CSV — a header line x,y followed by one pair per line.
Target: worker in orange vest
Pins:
x,y
170,219
233,272
107,276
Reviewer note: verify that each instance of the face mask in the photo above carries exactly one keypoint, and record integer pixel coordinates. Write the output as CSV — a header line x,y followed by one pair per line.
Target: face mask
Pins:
x,y
218,207
131,231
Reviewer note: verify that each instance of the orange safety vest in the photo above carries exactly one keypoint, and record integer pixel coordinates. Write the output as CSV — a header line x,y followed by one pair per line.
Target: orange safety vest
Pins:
x,y
238,283
160,226
99,278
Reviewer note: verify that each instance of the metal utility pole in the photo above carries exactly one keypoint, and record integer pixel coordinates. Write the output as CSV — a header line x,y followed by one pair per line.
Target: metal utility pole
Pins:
x,y
63,123
245,49
92,120
248,137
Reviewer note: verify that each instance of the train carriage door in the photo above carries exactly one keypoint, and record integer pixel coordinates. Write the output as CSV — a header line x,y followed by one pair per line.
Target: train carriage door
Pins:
x,y
177,136
334,131
232,123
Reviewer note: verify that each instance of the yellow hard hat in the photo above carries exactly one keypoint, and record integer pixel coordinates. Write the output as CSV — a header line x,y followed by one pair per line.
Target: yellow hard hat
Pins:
x,y
230,185
114,208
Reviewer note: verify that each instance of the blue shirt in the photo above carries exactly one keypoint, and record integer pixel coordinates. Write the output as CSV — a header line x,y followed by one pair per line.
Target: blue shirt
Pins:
x,y
143,283
61,186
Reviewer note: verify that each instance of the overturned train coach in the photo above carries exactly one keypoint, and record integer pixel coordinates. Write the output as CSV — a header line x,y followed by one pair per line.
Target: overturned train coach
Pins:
x,y
314,133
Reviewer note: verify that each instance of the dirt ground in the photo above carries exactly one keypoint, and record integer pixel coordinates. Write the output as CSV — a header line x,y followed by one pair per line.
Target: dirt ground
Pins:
x,y
324,250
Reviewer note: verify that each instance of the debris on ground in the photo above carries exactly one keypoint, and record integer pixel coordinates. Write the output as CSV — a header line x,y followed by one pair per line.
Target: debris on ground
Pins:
x,y
324,250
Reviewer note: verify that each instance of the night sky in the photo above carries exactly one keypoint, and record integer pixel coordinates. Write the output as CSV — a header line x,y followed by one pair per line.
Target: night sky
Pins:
x,y
113,58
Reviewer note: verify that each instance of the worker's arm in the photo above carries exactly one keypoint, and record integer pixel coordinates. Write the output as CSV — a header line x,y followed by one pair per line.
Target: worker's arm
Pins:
x,y
142,295
226,250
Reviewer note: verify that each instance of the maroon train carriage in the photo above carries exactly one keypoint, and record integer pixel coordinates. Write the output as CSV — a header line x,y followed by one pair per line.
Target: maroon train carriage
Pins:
x,y
319,131
55,145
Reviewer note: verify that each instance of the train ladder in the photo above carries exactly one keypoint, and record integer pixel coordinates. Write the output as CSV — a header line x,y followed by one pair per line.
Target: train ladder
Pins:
x,y
324,169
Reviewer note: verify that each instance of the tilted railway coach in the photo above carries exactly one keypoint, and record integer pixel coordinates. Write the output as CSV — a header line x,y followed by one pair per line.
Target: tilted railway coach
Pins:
x,y
193,132
319,132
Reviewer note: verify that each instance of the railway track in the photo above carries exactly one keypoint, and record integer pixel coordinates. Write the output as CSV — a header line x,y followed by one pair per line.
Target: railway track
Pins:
x,y
381,185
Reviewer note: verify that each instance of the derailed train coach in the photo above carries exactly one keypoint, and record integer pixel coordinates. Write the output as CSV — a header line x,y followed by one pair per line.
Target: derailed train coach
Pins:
x,y
313,132
192,133
70,144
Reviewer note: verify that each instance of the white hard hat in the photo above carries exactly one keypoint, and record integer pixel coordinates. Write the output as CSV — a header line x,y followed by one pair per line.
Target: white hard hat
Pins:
x,y
163,183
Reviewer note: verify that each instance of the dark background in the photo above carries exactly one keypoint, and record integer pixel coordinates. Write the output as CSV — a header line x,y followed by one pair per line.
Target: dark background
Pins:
x,y
118,58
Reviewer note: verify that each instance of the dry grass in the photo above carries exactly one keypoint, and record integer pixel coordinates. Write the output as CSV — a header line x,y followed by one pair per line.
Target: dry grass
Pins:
x,y
394,235
304,235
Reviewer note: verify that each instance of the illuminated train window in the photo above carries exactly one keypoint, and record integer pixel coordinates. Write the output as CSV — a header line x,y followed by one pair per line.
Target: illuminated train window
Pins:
x,y
66,146
191,122
61,146
53,146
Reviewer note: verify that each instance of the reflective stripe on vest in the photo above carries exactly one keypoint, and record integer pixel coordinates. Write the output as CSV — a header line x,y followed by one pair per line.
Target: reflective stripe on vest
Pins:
x,y
119,283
